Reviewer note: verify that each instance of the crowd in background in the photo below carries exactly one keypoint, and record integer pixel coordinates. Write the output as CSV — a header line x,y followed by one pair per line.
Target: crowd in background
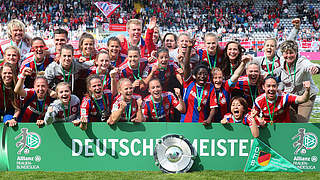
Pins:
x,y
224,17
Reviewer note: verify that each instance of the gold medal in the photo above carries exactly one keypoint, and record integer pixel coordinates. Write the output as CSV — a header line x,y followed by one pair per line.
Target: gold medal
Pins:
x,y
271,123
199,108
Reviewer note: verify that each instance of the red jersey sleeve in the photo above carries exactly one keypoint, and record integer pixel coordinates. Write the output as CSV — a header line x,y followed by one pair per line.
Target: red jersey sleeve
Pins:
x,y
174,101
149,42
29,93
187,82
291,98
85,107
213,102
250,119
145,109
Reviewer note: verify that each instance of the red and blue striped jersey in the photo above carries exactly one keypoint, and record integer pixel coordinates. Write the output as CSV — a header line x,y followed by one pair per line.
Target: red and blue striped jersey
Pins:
x,y
223,98
104,77
127,72
142,45
242,87
134,107
33,109
279,108
203,56
29,62
89,108
162,74
190,98
164,109
121,58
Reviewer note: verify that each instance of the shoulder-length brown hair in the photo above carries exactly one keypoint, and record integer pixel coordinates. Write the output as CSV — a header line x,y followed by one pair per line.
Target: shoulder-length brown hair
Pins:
x,y
13,97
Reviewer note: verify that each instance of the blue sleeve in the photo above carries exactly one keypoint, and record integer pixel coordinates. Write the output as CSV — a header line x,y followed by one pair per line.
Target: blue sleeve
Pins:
x,y
7,117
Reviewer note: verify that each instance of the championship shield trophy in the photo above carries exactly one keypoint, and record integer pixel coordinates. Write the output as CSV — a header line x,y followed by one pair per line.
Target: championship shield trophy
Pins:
x,y
174,154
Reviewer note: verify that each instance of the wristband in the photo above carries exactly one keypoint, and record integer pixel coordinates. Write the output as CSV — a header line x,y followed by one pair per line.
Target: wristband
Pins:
x,y
21,76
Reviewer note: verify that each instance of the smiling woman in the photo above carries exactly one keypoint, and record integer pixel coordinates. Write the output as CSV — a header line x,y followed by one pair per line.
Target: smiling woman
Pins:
x,y
158,106
34,101
87,51
17,38
96,105
126,106
275,107
294,71
65,108
232,58
9,109
37,61
199,95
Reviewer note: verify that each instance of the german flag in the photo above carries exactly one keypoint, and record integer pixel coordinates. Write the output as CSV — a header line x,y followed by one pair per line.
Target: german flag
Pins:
x,y
264,158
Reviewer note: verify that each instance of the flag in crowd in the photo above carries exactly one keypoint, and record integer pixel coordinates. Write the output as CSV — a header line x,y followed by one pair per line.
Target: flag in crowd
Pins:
x,y
107,8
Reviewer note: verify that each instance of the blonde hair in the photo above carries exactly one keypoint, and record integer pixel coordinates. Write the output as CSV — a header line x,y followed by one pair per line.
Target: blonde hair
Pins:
x,y
210,34
102,52
134,21
121,81
60,84
271,39
183,34
14,48
15,23
215,70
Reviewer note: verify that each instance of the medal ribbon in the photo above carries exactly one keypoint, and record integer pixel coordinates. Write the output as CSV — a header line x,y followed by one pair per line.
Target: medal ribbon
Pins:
x,y
66,115
162,68
294,73
270,115
272,68
35,64
199,98
215,60
255,92
85,57
103,102
104,77
44,102
154,106
17,44
218,96
231,69
128,112
135,77
64,75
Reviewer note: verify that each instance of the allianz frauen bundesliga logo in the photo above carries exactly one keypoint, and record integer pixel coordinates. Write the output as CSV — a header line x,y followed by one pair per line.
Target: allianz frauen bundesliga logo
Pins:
x,y
28,141
306,141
